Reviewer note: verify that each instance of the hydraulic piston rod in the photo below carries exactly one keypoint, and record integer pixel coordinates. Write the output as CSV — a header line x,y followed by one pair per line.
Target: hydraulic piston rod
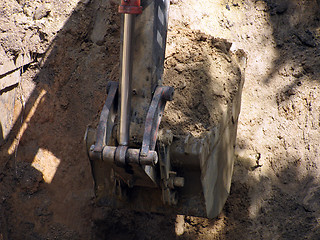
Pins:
x,y
125,81
129,8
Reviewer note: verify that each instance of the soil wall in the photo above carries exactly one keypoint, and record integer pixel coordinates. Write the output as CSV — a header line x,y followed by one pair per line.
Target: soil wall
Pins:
x,y
45,180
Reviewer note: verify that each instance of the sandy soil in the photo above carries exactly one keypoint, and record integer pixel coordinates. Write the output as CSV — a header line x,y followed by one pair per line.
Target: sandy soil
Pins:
x,y
75,48
197,105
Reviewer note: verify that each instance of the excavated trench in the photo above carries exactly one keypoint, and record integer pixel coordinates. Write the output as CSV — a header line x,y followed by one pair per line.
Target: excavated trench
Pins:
x,y
56,58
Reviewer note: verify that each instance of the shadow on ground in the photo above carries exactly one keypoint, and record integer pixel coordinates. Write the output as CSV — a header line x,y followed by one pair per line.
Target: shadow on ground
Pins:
x,y
70,92
46,182
280,203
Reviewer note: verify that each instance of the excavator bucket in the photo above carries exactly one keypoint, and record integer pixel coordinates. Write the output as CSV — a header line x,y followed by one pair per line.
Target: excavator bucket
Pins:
x,y
155,168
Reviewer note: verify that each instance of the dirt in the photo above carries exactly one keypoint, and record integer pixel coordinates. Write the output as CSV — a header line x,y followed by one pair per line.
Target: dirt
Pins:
x,y
46,185
197,105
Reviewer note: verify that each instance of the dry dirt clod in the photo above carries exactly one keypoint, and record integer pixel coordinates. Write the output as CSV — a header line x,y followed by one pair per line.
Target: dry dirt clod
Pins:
x,y
174,1
280,200
298,72
307,38
280,7
41,12
179,225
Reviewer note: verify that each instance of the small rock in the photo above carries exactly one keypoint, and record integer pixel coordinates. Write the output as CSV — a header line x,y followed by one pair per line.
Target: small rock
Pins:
x,y
308,68
298,72
21,19
85,2
174,1
28,177
64,102
249,159
28,12
306,38
180,224
310,201
261,6
222,45
179,67
99,30
41,12
281,7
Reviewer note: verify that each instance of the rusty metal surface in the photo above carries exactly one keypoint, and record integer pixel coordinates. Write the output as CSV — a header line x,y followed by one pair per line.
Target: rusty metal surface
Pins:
x,y
131,156
102,127
120,156
108,154
153,118
148,57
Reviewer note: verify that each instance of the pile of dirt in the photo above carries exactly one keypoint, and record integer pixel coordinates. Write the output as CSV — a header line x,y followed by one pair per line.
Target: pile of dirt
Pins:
x,y
205,75
30,26
45,179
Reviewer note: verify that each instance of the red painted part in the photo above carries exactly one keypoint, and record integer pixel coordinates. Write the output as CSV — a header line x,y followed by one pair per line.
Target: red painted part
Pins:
x,y
130,7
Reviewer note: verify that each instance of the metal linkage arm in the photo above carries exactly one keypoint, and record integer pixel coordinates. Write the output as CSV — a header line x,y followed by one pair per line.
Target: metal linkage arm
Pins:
x,y
112,90
156,109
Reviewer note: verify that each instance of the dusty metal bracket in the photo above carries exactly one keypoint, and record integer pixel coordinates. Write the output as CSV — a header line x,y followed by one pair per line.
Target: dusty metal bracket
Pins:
x,y
156,109
169,179
136,167
112,90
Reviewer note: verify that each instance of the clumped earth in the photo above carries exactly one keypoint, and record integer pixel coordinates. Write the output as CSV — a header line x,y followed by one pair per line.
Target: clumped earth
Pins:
x,y
74,46
206,76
